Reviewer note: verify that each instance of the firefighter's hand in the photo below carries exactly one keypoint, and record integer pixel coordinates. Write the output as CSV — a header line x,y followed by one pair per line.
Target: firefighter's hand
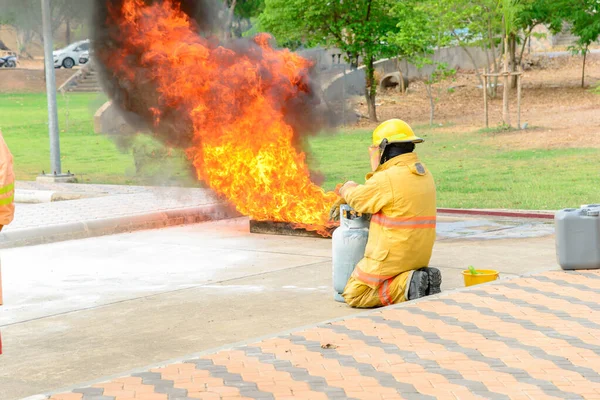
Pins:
x,y
334,212
346,186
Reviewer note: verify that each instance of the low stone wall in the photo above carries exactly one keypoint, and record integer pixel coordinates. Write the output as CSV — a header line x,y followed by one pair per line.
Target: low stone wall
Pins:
x,y
109,120
343,86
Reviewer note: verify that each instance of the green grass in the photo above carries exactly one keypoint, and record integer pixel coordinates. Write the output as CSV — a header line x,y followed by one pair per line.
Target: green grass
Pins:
x,y
93,158
469,171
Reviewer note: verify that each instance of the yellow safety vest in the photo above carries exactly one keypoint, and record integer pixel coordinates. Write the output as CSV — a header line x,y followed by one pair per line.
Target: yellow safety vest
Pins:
x,y
7,184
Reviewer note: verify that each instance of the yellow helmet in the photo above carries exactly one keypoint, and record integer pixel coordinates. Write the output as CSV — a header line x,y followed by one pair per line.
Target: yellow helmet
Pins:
x,y
395,131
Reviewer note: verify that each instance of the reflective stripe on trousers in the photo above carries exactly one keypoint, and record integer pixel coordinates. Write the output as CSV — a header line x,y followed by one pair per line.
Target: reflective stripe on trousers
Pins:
x,y
370,278
404,222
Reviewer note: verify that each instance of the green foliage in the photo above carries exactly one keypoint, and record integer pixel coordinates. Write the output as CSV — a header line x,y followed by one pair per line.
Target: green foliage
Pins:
x,y
584,16
511,10
356,27
537,12
248,8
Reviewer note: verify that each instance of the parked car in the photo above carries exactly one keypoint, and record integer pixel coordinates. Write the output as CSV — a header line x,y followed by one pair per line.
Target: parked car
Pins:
x,y
84,57
69,56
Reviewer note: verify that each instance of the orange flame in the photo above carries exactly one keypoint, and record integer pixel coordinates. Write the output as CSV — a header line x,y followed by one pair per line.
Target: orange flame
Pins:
x,y
242,147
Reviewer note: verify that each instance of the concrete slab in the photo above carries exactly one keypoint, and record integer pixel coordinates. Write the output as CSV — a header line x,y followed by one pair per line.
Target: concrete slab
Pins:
x,y
89,273
81,309
116,213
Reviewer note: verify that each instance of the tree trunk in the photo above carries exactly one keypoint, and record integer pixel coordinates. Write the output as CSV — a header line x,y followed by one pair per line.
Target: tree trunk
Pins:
x,y
354,61
513,59
371,88
431,103
229,21
583,69
402,88
466,50
526,39
68,31
505,111
24,38
494,84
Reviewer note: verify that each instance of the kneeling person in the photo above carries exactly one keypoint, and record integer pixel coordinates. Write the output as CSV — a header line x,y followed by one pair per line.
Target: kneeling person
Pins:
x,y
401,196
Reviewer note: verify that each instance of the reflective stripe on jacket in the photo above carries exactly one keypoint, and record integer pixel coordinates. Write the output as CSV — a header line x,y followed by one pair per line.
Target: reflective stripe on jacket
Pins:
x,y
7,184
401,195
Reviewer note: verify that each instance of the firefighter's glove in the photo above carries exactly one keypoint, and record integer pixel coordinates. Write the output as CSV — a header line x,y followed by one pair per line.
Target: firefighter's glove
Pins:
x,y
334,213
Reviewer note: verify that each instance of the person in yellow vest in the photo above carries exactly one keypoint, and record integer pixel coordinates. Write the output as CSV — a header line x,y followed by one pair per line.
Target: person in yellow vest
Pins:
x,y
7,196
400,195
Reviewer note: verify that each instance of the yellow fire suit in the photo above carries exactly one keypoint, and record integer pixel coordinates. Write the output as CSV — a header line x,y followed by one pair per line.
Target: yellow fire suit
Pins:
x,y
7,195
7,185
401,197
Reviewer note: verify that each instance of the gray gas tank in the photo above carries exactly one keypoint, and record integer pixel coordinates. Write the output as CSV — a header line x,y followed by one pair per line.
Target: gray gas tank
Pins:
x,y
348,247
578,237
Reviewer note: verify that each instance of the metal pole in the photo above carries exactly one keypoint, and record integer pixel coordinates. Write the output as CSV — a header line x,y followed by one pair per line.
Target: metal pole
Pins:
x,y
51,90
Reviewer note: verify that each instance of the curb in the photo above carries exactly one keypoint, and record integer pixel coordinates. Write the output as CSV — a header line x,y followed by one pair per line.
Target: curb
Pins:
x,y
115,225
499,213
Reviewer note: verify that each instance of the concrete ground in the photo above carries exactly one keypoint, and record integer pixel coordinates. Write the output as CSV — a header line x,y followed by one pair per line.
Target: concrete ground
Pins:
x,y
47,213
75,311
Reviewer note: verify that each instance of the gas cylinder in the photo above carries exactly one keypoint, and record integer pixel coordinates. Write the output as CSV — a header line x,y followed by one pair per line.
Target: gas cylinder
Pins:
x,y
348,246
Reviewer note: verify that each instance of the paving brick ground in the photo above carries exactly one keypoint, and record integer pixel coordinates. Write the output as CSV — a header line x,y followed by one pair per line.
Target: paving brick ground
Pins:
x,y
531,338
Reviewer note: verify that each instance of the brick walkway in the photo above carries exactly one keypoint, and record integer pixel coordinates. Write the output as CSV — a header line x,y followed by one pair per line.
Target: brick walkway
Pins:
x,y
531,338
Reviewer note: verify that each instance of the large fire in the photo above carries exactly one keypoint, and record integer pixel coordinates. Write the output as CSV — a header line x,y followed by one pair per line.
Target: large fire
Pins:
x,y
236,102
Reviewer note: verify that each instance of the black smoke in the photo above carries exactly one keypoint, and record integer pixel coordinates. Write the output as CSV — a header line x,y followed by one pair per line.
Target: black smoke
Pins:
x,y
305,112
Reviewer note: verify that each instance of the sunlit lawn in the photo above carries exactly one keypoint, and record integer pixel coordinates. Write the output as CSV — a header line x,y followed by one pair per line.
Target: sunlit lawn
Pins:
x,y
469,169
93,158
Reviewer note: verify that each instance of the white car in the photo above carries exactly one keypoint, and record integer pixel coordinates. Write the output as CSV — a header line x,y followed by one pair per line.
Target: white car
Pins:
x,y
70,55
84,57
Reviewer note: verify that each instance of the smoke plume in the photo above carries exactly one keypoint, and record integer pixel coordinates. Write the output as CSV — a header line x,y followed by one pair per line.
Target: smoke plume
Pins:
x,y
240,108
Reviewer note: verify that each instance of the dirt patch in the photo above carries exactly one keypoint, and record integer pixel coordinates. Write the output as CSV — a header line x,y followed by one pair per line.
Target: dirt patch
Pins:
x,y
563,113
21,80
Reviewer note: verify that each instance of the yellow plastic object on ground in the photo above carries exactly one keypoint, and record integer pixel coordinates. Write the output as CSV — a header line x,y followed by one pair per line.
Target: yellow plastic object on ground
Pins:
x,y
482,276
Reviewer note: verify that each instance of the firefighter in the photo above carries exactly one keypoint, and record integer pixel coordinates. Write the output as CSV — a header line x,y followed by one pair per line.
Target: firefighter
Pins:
x,y
401,196
7,195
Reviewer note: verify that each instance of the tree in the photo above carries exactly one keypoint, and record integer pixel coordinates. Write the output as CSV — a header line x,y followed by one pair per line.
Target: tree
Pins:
x,y
584,16
532,13
357,27
417,38
510,10
246,13
26,17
